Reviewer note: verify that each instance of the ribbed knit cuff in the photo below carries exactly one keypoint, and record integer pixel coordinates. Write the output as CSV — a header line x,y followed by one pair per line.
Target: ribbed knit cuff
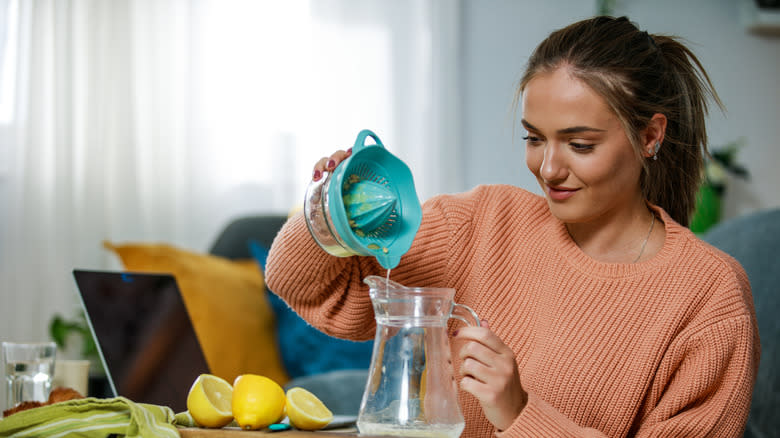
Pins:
x,y
539,419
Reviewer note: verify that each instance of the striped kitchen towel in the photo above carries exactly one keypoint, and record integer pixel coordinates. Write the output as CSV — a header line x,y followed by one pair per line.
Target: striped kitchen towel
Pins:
x,y
91,417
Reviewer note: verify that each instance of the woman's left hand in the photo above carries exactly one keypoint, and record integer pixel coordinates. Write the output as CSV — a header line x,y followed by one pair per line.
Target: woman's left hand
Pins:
x,y
490,374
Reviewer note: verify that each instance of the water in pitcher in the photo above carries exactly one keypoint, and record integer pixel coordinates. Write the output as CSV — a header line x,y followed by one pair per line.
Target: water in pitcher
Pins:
x,y
411,390
427,430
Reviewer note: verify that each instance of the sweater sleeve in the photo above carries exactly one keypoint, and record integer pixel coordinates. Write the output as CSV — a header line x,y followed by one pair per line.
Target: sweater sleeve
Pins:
x,y
329,292
325,290
702,388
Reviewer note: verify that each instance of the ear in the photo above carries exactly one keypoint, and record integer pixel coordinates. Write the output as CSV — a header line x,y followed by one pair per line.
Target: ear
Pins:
x,y
653,134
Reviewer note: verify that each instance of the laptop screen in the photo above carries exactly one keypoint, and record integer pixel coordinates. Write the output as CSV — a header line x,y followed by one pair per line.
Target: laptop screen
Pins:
x,y
143,332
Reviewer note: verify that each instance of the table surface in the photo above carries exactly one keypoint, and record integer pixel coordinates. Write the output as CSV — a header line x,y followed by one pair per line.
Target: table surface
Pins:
x,y
234,432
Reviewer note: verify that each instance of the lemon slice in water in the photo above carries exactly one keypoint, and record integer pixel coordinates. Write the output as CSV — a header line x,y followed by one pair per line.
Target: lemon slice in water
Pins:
x,y
208,401
306,411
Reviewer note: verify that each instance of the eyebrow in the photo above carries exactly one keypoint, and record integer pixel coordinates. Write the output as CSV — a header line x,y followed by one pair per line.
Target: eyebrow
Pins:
x,y
571,130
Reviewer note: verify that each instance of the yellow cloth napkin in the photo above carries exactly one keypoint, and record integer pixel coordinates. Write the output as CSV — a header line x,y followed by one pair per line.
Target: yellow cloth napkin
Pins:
x,y
92,417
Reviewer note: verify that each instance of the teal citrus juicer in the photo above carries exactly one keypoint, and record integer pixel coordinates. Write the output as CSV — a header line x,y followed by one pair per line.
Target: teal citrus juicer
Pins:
x,y
367,206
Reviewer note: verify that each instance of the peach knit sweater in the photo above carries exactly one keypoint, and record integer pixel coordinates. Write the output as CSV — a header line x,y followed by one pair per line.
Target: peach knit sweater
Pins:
x,y
667,347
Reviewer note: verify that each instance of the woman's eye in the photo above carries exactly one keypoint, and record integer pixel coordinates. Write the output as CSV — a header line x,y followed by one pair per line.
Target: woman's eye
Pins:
x,y
532,140
581,147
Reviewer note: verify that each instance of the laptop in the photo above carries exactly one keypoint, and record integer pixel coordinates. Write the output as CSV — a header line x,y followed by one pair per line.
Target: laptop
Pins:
x,y
144,335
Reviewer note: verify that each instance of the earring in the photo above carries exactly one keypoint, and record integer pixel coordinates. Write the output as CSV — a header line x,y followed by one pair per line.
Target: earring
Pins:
x,y
656,148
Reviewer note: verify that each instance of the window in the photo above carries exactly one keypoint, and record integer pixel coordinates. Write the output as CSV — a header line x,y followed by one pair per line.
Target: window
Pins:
x,y
8,44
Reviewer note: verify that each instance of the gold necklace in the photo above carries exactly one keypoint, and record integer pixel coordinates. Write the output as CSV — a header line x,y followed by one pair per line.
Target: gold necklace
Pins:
x,y
642,250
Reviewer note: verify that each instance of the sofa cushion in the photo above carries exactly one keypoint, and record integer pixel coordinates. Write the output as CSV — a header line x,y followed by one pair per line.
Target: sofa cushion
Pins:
x,y
753,239
226,301
305,350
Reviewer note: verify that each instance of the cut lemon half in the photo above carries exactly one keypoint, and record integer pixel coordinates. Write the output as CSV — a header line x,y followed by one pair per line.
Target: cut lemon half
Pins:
x,y
306,411
257,401
208,401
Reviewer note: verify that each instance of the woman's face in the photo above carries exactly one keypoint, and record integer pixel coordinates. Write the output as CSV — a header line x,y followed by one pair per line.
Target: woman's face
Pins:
x,y
578,151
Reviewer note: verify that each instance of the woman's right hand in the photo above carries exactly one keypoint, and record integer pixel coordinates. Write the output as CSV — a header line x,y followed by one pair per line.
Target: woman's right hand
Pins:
x,y
327,164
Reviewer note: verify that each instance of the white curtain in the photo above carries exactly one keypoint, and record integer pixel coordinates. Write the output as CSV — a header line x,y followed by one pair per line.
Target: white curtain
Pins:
x,y
160,120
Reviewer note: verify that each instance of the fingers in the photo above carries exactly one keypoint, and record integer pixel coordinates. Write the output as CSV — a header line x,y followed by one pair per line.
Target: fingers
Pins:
x,y
484,356
478,363
319,167
483,363
490,374
483,335
474,386
328,164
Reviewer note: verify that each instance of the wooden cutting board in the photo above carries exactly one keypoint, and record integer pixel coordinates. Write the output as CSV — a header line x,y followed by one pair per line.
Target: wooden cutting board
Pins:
x,y
234,432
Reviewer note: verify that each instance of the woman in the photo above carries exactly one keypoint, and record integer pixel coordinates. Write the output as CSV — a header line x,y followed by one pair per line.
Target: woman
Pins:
x,y
605,315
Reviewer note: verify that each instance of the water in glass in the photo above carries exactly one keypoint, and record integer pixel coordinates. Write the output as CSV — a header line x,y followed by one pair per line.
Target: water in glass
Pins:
x,y
28,380
29,368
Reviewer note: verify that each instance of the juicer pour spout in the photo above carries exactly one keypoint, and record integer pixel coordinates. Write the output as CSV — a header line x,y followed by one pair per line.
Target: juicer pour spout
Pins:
x,y
377,282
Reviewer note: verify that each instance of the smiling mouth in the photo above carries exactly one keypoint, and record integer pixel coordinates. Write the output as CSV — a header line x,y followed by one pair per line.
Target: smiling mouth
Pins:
x,y
560,193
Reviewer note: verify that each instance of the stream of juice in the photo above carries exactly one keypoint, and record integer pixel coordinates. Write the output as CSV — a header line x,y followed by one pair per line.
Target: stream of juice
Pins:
x,y
387,279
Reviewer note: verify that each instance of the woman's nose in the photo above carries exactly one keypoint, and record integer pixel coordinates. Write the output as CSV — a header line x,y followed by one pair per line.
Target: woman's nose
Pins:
x,y
553,166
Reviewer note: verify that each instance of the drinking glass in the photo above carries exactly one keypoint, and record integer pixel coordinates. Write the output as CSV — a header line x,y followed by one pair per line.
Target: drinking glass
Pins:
x,y
29,368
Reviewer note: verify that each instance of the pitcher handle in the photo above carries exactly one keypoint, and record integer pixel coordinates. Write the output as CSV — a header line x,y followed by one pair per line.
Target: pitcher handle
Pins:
x,y
465,312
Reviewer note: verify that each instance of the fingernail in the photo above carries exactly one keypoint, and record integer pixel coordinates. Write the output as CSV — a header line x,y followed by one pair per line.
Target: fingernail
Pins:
x,y
331,164
455,333
349,151
317,175
484,323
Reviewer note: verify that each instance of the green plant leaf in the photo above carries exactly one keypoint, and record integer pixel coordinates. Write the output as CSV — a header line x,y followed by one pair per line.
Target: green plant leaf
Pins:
x,y
726,157
60,329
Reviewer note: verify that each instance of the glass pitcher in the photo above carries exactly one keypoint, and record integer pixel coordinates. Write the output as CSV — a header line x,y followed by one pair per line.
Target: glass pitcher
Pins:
x,y
411,389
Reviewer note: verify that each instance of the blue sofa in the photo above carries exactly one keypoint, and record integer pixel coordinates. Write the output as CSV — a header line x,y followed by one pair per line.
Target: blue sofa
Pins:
x,y
754,240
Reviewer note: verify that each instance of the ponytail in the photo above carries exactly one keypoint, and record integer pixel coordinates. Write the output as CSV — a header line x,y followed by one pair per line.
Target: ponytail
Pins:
x,y
673,180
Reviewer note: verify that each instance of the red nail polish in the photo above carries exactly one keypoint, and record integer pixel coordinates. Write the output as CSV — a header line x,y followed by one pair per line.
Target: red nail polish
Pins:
x,y
331,164
455,333
317,175
349,151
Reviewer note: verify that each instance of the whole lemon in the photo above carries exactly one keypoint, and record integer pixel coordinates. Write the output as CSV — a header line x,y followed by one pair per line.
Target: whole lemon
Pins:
x,y
209,401
257,401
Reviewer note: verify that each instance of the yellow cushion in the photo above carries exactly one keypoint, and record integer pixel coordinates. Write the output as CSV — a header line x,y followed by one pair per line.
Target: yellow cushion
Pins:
x,y
227,303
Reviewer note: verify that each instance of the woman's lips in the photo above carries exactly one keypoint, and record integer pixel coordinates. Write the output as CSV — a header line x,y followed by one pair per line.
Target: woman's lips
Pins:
x,y
560,193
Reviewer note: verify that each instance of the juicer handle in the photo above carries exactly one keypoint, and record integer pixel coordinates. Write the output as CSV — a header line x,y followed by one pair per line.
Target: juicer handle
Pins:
x,y
462,311
360,142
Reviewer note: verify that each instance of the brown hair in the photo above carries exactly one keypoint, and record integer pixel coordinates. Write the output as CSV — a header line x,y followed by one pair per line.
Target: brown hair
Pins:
x,y
639,75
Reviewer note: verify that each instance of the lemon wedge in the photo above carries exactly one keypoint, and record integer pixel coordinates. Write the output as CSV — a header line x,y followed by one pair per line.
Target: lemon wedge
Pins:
x,y
257,401
306,411
208,401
